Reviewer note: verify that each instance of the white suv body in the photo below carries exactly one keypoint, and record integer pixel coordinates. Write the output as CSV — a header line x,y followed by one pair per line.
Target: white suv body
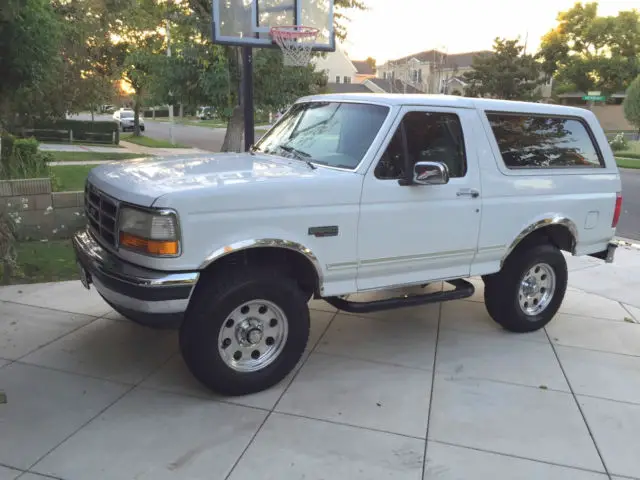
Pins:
x,y
347,194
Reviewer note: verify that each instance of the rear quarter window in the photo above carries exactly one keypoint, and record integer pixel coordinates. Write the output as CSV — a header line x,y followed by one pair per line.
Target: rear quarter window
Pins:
x,y
538,141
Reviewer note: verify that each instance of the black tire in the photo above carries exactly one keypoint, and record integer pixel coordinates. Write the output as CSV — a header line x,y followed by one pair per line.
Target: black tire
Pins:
x,y
501,290
214,300
149,320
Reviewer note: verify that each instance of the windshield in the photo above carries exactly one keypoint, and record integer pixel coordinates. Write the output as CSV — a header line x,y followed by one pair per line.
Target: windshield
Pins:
x,y
336,134
126,114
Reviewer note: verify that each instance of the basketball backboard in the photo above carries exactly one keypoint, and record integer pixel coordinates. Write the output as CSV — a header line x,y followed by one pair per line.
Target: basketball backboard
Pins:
x,y
248,22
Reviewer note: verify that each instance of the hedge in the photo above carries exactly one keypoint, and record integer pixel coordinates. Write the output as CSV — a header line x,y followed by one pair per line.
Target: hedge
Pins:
x,y
83,131
158,114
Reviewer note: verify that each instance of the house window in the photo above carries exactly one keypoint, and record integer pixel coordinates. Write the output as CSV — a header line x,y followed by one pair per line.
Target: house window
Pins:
x,y
347,79
337,78
430,136
537,141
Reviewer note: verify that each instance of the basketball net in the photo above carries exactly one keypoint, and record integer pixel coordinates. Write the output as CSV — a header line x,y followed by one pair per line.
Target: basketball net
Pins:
x,y
295,42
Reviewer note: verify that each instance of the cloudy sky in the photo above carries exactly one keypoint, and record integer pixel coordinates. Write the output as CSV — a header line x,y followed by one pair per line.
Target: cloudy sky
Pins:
x,y
395,28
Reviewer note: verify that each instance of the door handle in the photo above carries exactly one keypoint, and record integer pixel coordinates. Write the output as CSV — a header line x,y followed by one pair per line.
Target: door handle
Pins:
x,y
468,192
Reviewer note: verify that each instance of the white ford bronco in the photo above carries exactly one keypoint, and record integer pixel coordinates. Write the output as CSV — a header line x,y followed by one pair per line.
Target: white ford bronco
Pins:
x,y
346,194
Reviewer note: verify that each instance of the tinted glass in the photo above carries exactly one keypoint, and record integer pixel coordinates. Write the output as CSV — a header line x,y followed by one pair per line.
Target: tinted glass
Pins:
x,y
528,141
431,137
336,134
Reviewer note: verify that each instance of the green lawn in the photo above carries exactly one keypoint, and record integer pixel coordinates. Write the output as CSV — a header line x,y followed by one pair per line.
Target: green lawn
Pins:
x,y
87,156
51,261
632,152
70,178
628,162
145,141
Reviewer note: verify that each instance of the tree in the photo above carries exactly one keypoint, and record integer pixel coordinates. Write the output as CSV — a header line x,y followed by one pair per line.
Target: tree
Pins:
x,y
30,35
588,52
282,85
632,104
505,73
371,62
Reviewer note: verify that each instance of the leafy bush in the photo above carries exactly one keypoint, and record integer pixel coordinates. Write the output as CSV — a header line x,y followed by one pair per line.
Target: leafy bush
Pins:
x,y
25,161
619,142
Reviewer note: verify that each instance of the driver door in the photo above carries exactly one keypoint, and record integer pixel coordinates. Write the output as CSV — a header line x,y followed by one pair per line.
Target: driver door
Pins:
x,y
410,234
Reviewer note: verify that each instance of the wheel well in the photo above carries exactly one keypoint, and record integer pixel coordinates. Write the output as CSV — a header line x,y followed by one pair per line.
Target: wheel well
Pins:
x,y
558,235
293,264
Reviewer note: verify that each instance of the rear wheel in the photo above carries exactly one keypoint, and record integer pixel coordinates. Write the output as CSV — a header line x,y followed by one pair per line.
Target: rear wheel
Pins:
x,y
244,330
527,293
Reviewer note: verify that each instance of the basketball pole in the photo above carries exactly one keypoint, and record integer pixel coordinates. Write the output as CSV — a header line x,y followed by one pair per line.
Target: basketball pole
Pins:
x,y
247,90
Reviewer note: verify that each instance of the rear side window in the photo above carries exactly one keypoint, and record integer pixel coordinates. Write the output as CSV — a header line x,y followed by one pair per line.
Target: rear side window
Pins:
x,y
536,141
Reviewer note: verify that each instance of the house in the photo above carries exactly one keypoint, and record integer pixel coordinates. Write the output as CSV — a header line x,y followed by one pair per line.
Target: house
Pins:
x,y
364,71
431,71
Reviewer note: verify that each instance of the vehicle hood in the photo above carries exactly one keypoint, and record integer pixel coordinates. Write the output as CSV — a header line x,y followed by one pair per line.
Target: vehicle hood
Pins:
x,y
143,181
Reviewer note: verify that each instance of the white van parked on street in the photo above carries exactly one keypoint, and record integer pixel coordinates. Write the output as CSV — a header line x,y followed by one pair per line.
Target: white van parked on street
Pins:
x,y
345,194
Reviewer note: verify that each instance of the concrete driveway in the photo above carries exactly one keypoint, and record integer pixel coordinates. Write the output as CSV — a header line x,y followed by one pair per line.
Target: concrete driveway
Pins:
x,y
435,392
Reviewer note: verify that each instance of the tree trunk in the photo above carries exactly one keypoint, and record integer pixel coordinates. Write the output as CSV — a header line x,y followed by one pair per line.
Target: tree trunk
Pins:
x,y
136,116
235,129
233,137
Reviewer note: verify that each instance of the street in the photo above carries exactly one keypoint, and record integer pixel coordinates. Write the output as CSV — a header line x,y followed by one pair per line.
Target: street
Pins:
x,y
211,139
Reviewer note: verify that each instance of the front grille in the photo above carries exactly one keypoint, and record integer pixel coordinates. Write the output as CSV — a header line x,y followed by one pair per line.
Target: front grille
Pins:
x,y
102,214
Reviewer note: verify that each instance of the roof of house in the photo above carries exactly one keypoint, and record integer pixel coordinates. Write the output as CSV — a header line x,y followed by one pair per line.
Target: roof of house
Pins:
x,y
362,67
347,88
460,60
394,87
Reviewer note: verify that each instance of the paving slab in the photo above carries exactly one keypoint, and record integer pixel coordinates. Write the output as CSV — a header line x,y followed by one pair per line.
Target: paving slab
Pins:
x,y
590,305
360,393
9,473
44,407
449,462
595,334
64,296
473,317
156,436
600,374
501,358
527,422
615,427
408,342
289,447
24,329
117,351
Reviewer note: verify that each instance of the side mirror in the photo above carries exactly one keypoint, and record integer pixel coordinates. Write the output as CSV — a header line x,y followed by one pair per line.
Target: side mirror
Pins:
x,y
430,173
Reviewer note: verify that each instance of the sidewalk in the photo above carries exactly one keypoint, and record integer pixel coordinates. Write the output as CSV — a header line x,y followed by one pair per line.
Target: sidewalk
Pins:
x,y
431,392
125,147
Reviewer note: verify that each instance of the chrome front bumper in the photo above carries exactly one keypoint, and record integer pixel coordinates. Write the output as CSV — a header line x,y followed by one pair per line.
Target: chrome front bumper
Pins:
x,y
129,286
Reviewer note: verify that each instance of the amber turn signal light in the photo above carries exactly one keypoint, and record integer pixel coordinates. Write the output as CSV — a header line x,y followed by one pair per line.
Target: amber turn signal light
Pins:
x,y
151,247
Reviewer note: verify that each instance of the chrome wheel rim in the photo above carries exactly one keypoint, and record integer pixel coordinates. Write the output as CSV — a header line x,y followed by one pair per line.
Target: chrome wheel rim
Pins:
x,y
253,336
536,289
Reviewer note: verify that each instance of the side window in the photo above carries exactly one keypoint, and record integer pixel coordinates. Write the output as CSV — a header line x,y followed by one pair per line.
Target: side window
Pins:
x,y
536,141
431,137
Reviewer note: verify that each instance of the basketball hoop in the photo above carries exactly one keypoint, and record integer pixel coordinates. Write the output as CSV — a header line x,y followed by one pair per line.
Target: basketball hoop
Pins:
x,y
295,42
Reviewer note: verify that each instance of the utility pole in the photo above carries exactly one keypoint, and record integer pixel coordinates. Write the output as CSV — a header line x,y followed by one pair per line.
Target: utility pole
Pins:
x,y
170,106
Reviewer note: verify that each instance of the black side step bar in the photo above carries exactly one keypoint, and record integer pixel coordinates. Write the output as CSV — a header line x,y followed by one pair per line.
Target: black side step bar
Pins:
x,y
464,289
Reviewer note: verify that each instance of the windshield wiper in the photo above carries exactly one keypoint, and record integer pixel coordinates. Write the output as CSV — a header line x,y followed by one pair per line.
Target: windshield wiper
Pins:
x,y
299,154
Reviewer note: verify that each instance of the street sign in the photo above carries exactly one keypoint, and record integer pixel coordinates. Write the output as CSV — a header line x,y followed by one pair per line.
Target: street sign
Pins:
x,y
594,98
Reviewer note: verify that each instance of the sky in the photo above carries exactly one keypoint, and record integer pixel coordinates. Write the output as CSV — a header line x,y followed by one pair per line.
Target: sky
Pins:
x,y
392,29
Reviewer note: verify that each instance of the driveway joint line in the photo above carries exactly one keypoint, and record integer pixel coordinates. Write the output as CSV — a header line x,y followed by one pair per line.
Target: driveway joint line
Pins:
x,y
275,404
519,457
433,383
575,398
54,309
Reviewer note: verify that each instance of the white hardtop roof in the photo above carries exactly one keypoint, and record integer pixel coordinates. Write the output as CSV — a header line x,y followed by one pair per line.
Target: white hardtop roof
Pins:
x,y
450,101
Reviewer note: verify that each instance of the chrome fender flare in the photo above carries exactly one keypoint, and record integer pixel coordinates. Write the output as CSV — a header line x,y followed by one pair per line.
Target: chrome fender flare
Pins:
x,y
542,223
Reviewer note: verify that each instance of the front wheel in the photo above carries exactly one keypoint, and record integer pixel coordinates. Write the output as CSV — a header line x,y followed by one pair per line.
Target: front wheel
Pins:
x,y
245,330
527,293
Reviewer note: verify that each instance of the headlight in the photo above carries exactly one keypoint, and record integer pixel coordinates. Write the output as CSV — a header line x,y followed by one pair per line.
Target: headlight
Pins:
x,y
150,233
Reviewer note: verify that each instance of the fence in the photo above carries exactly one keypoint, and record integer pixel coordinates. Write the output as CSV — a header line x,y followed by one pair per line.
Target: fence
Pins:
x,y
70,131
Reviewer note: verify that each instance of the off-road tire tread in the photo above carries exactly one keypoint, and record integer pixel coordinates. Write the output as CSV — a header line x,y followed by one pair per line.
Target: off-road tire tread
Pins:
x,y
501,289
200,328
